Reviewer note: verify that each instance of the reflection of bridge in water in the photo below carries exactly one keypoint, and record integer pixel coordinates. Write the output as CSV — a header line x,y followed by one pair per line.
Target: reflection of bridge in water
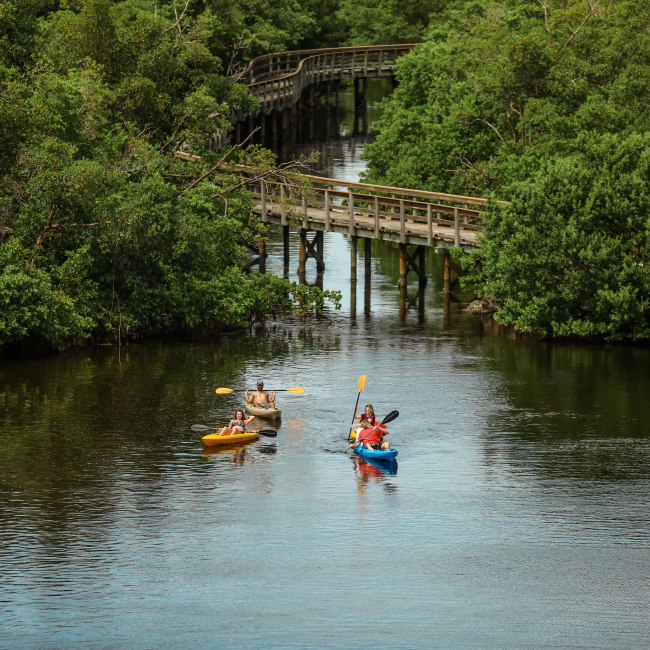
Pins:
x,y
289,85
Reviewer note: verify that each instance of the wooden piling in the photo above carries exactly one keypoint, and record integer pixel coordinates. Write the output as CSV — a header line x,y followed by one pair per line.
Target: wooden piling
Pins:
x,y
353,259
445,273
285,241
421,260
319,249
302,251
367,256
403,267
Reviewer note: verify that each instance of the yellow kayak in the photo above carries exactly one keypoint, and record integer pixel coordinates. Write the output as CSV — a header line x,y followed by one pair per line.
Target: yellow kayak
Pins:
x,y
215,439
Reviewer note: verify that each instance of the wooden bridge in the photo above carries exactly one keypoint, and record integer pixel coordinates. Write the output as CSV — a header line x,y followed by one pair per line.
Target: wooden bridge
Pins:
x,y
407,217
284,82
414,218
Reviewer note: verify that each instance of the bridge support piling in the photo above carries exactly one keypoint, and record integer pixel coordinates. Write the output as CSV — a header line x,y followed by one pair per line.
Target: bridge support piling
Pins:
x,y
274,123
262,126
302,251
403,267
329,91
338,93
423,277
365,89
285,239
251,126
311,97
237,133
353,258
320,267
445,274
367,257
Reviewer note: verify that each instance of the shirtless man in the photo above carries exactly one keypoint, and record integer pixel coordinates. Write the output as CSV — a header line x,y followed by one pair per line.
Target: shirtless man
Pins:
x,y
260,396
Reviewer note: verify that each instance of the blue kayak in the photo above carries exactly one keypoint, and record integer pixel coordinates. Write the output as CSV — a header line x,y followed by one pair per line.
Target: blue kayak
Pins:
x,y
388,455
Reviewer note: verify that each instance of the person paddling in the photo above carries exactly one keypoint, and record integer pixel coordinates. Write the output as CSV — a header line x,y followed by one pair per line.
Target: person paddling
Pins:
x,y
261,396
370,437
237,424
369,414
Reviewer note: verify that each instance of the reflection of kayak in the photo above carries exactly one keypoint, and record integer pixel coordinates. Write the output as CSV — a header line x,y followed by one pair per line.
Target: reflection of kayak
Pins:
x,y
384,466
388,455
271,414
215,439
224,449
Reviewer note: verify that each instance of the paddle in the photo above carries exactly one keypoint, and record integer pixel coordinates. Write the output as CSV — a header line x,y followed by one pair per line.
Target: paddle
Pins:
x,y
362,383
269,433
389,418
226,391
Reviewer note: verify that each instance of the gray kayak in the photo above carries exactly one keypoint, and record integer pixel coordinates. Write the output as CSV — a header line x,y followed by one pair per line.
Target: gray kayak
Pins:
x,y
271,414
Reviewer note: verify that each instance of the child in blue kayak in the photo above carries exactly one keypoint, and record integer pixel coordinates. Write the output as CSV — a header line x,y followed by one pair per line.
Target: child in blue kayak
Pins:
x,y
370,436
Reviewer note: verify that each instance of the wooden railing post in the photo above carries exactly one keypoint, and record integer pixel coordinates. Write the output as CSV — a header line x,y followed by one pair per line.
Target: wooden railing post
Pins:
x,y
429,225
352,227
402,222
283,207
304,210
456,228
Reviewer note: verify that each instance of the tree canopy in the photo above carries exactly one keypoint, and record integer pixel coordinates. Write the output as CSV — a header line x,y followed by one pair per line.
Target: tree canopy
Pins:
x,y
542,103
101,228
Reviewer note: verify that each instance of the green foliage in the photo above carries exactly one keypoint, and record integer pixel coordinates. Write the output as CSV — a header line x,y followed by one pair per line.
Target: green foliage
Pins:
x,y
385,22
101,227
543,104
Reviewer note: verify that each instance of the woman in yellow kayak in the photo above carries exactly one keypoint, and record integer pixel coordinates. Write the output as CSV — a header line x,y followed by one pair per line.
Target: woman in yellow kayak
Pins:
x,y
237,424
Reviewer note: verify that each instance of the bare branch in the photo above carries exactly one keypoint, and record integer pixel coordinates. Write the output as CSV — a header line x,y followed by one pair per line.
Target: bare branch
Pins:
x,y
590,13
545,7
221,161
478,119
178,20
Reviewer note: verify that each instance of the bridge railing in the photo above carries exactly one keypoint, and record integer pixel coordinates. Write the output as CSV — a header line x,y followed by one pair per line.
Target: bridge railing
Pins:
x,y
278,80
359,57
365,206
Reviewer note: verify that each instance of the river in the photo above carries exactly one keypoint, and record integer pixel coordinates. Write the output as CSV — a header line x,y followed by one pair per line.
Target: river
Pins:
x,y
516,516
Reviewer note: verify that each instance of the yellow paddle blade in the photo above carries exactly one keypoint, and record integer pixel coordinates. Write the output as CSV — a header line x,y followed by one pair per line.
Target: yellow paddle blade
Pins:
x,y
297,389
223,391
362,382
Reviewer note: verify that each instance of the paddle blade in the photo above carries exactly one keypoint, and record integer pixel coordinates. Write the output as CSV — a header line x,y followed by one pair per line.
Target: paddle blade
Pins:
x,y
297,389
223,391
201,427
269,433
390,417
362,382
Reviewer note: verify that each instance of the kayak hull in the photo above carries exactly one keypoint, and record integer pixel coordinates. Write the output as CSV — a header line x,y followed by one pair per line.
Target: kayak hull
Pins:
x,y
214,439
270,414
387,456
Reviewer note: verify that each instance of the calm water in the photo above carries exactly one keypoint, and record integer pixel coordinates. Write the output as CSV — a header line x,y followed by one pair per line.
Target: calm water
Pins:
x,y
517,516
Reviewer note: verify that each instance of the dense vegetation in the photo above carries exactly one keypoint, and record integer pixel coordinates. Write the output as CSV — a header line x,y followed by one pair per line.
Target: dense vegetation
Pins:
x,y
543,103
101,229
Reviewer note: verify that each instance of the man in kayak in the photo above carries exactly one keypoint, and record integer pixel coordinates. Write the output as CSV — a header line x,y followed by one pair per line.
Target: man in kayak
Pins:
x,y
260,396
370,437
